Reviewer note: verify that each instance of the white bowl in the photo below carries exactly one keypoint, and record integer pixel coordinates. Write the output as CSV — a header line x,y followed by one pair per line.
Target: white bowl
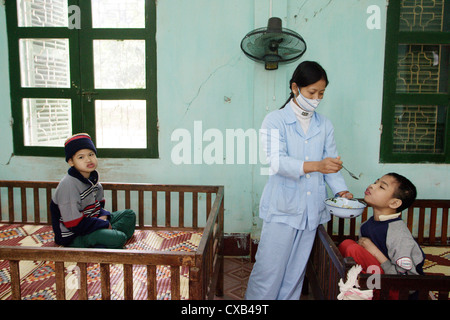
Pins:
x,y
345,208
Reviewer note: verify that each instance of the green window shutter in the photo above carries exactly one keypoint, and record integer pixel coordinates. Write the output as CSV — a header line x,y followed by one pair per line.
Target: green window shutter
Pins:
x,y
416,119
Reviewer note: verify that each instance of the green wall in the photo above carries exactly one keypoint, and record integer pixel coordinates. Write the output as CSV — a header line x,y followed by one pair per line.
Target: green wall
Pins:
x,y
204,76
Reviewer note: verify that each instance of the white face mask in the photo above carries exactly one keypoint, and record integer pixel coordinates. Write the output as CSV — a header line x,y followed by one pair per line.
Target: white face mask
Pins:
x,y
307,104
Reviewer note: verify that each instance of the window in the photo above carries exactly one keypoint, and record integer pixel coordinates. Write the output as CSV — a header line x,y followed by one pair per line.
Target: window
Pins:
x,y
416,115
83,66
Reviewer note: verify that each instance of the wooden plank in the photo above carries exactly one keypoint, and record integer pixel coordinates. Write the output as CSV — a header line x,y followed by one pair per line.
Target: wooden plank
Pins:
x,y
420,235
60,276
175,282
432,232
118,256
195,284
151,282
11,204
330,226
195,209
443,295
208,204
116,186
154,208
216,213
423,294
167,207
444,225
23,200
141,208
410,219
353,228
114,200
83,291
364,214
127,199
1,210
341,229
28,184
402,294
106,282
15,279
157,187
128,281
37,214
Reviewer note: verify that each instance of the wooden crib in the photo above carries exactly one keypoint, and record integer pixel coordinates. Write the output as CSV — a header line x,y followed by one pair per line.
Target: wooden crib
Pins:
x,y
326,266
166,207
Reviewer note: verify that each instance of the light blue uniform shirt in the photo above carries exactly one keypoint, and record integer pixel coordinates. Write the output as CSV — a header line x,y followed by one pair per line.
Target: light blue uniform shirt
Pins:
x,y
291,196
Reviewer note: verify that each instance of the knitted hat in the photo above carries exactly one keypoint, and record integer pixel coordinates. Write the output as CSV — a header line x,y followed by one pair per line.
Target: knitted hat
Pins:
x,y
78,142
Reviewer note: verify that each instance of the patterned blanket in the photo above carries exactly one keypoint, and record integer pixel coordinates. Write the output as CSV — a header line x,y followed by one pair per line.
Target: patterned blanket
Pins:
x,y
437,261
38,277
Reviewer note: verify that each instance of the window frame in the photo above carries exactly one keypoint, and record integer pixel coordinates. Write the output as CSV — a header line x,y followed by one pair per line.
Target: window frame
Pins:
x,y
82,74
395,37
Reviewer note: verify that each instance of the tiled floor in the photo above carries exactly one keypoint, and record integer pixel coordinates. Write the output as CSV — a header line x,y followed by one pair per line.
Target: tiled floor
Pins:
x,y
236,273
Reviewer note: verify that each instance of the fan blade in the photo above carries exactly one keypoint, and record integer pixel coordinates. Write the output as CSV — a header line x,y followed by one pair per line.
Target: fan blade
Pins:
x,y
290,50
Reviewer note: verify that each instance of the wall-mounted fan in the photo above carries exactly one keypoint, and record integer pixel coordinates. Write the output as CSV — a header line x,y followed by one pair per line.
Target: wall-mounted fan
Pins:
x,y
273,44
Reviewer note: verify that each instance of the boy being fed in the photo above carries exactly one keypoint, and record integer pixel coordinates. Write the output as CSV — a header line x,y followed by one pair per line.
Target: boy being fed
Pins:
x,y
385,240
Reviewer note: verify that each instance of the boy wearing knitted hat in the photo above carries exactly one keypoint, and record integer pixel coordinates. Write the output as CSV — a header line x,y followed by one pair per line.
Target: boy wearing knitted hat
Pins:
x,y
78,215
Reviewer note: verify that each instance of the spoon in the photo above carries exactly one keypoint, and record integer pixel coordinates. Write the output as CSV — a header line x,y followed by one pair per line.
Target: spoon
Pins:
x,y
351,174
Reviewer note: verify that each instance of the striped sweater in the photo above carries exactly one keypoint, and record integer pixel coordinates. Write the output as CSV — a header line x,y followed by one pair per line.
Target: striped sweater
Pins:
x,y
76,207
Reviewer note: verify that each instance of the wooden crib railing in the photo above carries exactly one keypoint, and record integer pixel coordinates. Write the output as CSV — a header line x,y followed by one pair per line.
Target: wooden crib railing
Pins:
x,y
325,267
42,214
428,222
205,264
105,257
426,219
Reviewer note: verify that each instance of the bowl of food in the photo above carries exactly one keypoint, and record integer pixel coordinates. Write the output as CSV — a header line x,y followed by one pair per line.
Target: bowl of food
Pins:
x,y
345,208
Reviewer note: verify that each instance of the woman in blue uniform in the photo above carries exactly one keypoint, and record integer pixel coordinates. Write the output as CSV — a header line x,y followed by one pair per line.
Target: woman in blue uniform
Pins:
x,y
300,146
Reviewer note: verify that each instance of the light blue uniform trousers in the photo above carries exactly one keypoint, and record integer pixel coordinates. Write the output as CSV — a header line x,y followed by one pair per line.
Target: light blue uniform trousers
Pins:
x,y
280,266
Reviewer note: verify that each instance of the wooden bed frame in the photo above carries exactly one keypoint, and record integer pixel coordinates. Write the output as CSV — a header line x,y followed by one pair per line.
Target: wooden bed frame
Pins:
x,y
205,265
326,266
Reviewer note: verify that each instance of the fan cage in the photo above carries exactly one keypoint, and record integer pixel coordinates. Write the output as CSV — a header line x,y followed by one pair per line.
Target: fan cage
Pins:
x,y
263,31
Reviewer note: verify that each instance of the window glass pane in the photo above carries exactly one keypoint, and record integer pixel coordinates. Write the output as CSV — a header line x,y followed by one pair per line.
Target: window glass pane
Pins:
x,y
422,15
422,68
419,129
121,123
42,13
119,64
44,63
46,122
118,13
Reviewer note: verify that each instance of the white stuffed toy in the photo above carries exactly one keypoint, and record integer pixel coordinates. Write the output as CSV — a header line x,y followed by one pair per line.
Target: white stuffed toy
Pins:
x,y
349,289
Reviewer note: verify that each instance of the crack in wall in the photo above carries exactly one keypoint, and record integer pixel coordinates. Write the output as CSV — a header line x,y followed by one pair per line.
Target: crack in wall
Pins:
x,y
228,63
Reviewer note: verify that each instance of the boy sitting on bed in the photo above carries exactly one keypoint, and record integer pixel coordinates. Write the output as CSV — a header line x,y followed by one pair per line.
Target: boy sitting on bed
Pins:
x,y
385,240
78,215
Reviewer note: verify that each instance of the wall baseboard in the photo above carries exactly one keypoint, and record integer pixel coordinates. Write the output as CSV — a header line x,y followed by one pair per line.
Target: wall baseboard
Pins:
x,y
236,244
240,244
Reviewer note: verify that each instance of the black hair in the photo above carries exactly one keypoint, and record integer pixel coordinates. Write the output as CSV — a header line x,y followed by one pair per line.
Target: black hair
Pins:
x,y
406,191
306,73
